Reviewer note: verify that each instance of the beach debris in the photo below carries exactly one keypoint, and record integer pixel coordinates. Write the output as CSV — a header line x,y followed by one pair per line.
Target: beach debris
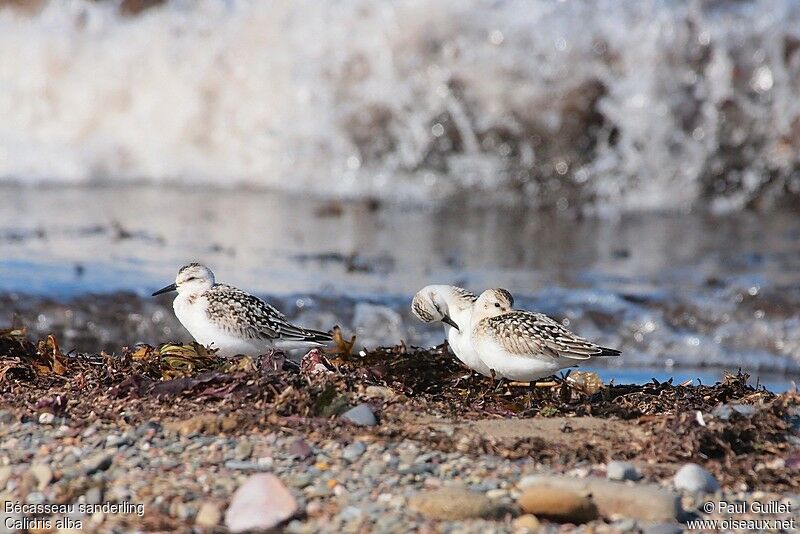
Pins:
x,y
698,416
315,362
360,415
587,382
342,347
695,479
173,360
453,503
261,503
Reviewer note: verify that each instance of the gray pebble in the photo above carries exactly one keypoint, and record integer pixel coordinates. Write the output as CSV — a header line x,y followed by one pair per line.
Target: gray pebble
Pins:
x,y
624,525
35,497
417,469
354,451
663,528
6,417
174,448
300,480
94,495
361,415
243,466
695,479
373,469
350,513
616,470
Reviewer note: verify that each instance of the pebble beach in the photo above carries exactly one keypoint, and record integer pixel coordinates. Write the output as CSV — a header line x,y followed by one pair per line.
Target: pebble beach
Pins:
x,y
395,440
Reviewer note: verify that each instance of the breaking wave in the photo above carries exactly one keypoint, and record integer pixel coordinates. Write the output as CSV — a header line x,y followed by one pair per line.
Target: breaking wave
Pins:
x,y
583,104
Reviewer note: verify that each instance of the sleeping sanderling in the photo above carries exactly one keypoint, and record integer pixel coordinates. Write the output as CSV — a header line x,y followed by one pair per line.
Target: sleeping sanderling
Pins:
x,y
452,306
232,321
523,345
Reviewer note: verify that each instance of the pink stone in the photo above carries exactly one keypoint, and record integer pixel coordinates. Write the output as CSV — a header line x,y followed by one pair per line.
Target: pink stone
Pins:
x,y
262,502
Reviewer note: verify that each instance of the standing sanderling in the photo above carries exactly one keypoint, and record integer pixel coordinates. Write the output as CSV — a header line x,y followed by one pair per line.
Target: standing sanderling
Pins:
x,y
522,345
232,321
452,306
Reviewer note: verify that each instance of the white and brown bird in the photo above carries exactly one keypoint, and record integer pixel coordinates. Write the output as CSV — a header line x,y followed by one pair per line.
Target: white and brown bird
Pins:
x,y
452,306
522,345
232,321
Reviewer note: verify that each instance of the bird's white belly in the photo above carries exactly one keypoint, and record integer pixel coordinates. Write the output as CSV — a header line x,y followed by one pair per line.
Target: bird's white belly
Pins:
x,y
194,318
518,368
465,352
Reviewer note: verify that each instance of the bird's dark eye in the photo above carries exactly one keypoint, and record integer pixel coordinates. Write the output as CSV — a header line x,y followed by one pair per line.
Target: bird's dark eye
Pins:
x,y
191,278
496,304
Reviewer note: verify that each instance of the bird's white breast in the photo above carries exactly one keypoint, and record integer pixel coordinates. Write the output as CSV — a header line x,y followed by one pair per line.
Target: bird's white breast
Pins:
x,y
193,315
462,347
521,368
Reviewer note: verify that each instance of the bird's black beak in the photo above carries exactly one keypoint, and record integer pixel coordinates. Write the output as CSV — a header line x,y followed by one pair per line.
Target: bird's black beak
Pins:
x,y
166,289
447,320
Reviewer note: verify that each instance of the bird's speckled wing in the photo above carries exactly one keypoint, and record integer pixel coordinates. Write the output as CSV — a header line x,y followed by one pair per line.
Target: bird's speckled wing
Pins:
x,y
253,318
526,333
465,294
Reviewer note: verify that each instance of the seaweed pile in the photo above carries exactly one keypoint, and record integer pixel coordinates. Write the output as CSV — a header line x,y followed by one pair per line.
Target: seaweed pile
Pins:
x,y
742,433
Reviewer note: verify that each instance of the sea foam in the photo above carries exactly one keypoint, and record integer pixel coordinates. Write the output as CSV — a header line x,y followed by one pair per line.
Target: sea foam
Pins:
x,y
604,104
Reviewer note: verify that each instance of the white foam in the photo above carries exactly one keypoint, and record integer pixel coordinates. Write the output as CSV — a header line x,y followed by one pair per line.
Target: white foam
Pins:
x,y
409,99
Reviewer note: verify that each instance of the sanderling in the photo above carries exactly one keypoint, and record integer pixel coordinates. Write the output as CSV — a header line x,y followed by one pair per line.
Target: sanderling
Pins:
x,y
521,345
452,306
232,321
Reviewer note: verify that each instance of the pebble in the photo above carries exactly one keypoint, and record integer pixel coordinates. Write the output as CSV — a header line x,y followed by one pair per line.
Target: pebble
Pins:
x,y
243,450
261,503
350,513
94,495
46,418
361,415
663,528
208,516
695,479
354,451
300,449
644,502
244,466
97,462
453,503
43,475
526,523
616,470
300,480
5,474
559,504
